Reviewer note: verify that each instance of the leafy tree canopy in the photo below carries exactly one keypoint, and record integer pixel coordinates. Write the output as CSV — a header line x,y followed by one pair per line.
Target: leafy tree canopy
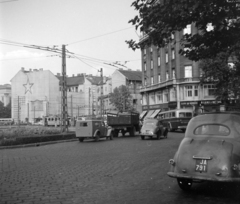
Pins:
x,y
226,78
121,98
160,20
5,112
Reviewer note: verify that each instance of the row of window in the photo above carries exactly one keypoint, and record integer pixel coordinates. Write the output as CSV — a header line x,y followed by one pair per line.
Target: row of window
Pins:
x,y
187,92
187,74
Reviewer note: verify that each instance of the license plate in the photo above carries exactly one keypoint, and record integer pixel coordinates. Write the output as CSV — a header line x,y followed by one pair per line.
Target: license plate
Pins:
x,y
201,165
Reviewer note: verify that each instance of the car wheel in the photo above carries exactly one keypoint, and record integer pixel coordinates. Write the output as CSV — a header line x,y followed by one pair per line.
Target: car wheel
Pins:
x,y
142,137
165,133
111,136
116,133
97,137
185,184
81,139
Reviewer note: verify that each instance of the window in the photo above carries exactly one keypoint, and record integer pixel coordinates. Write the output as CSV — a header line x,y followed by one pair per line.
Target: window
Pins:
x,y
151,50
159,97
188,91
152,80
173,54
145,81
167,76
145,66
151,64
165,97
159,77
144,51
209,90
212,129
159,61
187,30
195,90
83,124
173,73
166,57
188,71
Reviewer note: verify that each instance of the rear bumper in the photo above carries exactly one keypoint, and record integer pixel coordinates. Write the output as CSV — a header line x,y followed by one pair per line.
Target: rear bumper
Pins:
x,y
148,135
200,178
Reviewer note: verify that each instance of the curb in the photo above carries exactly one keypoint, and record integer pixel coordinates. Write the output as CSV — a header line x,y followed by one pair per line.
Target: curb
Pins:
x,y
37,144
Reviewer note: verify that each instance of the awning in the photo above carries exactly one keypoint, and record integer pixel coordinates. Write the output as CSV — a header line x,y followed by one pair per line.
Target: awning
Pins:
x,y
149,113
142,114
155,113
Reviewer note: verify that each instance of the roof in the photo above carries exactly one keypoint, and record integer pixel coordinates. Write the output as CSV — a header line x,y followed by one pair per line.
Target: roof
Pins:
x,y
132,75
94,79
72,81
5,86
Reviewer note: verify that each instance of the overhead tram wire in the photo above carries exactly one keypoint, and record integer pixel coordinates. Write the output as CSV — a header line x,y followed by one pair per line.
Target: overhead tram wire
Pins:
x,y
100,35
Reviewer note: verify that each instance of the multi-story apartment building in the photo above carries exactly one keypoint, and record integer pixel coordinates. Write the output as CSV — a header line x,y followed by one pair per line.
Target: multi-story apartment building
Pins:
x,y
5,94
172,81
131,79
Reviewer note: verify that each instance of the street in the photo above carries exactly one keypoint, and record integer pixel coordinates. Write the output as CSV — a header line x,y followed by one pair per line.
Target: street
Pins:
x,y
124,170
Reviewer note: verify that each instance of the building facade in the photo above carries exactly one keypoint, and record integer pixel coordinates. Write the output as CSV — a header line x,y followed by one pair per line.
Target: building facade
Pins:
x,y
5,94
171,81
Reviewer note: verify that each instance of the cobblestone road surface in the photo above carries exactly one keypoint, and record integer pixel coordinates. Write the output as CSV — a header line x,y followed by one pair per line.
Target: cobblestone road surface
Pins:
x,y
124,170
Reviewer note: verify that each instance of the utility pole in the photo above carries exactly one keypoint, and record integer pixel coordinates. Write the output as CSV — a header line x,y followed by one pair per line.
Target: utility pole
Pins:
x,y
64,90
89,102
101,97
18,112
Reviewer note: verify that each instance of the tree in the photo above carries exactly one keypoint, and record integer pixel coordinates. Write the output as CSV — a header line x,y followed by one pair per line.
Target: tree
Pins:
x,y
160,20
121,99
226,78
5,112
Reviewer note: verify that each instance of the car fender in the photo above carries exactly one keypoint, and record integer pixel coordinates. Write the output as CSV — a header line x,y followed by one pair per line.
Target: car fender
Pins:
x,y
96,132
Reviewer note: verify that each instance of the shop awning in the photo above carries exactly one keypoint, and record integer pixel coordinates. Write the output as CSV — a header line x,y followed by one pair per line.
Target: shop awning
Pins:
x,y
149,113
154,114
142,114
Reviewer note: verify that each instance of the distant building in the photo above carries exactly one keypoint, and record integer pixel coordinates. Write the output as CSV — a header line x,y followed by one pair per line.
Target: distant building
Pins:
x,y
131,79
5,94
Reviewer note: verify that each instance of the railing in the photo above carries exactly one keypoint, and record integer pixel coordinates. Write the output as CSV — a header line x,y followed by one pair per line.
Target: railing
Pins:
x,y
169,83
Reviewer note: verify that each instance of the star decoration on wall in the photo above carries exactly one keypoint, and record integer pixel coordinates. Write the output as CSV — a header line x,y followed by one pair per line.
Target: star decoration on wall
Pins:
x,y
28,86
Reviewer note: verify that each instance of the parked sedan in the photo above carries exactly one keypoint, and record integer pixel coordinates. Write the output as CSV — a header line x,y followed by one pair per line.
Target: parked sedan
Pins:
x,y
153,128
210,150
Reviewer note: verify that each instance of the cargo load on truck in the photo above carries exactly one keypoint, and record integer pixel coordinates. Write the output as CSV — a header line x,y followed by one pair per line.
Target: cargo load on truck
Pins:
x,y
124,122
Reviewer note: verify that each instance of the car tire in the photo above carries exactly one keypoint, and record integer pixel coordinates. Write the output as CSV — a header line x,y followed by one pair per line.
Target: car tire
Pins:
x,y
185,184
111,136
165,134
143,137
97,137
81,139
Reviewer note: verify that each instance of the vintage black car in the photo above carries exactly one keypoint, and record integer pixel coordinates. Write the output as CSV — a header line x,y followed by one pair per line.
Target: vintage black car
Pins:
x,y
153,128
210,150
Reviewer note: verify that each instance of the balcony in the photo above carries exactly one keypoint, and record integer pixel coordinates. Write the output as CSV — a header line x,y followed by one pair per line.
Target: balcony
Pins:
x,y
170,82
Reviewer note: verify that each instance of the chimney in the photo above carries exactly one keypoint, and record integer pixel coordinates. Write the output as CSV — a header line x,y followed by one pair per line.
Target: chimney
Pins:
x,y
41,69
58,74
35,70
22,69
30,70
78,75
73,75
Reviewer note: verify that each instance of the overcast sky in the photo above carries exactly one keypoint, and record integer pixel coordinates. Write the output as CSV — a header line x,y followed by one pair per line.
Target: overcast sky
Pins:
x,y
94,30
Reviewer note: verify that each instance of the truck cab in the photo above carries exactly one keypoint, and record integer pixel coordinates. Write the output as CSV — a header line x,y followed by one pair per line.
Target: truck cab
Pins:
x,y
93,129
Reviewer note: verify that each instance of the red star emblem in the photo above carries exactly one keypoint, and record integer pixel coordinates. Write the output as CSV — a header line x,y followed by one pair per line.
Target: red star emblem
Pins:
x,y
28,86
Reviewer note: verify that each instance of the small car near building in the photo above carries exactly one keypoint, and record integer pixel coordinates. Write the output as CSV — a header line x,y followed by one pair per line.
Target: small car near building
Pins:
x,y
153,128
210,150
93,129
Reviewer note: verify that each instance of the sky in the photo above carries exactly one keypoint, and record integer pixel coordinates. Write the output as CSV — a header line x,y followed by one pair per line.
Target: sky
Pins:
x,y
95,31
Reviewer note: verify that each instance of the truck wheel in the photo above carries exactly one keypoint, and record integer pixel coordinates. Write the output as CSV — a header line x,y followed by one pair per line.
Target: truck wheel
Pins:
x,y
133,131
142,137
116,133
81,139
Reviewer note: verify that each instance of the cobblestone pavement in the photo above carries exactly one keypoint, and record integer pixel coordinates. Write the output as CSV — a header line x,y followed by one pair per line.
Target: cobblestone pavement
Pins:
x,y
124,170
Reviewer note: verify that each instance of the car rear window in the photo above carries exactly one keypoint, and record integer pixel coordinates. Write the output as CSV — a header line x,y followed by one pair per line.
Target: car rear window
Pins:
x,y
212,129
83,124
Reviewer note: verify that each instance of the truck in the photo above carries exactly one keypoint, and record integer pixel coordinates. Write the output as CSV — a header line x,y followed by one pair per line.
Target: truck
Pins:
x,y
92,128
123,122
